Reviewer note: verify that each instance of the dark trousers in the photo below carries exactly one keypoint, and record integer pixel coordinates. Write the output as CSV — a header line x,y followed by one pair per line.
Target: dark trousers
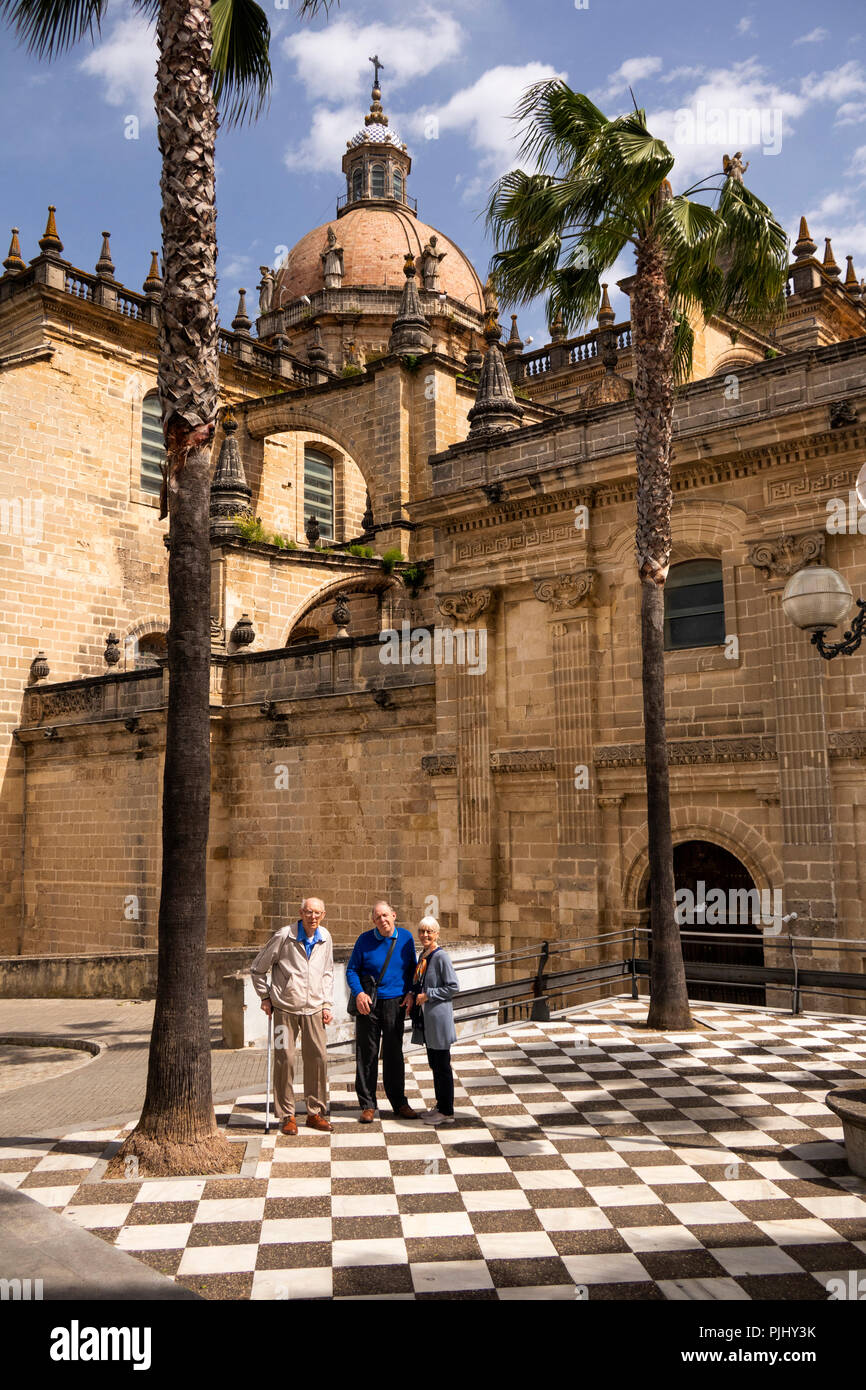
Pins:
x,y
382,1028
443,1078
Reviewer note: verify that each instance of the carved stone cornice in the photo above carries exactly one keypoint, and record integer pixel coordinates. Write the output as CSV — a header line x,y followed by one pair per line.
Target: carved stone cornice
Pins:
x,y
465,606
685,752
848,744
566,590
523,760
610,803
439,764
782,556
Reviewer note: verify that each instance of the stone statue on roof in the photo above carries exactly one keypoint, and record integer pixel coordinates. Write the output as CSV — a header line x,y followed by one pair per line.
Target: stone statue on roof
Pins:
x,y
266,289
430,258
735,168
332,262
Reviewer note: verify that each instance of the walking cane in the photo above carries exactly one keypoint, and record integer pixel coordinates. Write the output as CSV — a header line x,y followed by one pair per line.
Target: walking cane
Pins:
x,y
268,1099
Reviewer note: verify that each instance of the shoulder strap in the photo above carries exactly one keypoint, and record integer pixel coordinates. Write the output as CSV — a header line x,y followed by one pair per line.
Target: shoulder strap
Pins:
x,y
387,958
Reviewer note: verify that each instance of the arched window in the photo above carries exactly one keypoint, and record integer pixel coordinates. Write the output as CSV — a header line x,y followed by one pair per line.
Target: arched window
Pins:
x,y
150,649
357,182
377,181
319,490
398,185
152,444
694,605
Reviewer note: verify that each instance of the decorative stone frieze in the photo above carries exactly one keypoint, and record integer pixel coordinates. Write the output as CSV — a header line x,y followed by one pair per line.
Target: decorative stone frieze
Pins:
x,y
523,760
439,764
684,752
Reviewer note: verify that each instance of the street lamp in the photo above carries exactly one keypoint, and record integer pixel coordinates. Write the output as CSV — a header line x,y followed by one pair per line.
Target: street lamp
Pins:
x,y
819,598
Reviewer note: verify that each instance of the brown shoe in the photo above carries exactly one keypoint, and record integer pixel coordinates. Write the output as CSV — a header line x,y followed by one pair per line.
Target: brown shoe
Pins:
x,y
406,1113
319,1122
289,1125
367,1117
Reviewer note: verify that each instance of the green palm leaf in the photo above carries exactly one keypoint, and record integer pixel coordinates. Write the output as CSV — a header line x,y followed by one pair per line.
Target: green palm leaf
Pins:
x,y
49,27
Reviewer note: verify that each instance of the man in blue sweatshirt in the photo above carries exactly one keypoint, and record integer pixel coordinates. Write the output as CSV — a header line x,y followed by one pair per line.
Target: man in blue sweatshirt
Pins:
x,y
381,1025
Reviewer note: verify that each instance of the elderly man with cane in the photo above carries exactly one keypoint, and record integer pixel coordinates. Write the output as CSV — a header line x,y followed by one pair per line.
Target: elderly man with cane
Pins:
x,y
299,1000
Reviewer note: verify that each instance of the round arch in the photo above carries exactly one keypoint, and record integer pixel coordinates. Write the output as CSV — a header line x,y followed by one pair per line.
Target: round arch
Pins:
x,y
148,627
722,828
348,585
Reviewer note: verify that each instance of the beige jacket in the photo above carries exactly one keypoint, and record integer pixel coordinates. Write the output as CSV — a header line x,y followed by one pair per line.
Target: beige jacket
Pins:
x,y
298,985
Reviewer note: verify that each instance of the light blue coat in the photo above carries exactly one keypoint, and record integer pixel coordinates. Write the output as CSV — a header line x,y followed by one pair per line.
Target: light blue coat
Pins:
x,y
440,985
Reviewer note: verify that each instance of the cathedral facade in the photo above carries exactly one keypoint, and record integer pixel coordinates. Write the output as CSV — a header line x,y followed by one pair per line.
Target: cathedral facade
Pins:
x,y
424,601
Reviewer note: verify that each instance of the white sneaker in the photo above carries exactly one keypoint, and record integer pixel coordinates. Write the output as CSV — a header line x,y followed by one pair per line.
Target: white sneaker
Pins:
x,y
434,1117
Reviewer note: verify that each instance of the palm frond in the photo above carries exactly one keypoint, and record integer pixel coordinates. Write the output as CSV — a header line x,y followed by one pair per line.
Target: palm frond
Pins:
x,y
683,350
241,59
48,27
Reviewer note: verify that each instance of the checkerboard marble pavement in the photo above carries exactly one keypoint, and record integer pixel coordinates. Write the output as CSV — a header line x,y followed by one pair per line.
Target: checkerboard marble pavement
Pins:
x,y
591,1159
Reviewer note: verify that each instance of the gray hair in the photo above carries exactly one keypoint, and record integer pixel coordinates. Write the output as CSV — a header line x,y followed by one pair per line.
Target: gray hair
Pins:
x,y
429,922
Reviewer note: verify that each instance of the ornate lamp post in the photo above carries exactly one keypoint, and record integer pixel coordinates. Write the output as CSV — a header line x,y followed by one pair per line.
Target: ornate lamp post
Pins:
x,y
818,598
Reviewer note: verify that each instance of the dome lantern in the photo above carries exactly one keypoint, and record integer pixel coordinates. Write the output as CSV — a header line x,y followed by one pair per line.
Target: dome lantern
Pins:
x,y
376,162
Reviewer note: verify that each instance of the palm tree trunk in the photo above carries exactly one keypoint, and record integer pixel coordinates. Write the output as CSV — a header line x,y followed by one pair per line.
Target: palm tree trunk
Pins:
x,y
653,335
177,1131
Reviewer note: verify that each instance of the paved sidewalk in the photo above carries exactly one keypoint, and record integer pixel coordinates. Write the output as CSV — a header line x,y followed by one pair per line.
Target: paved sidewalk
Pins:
x,y
109,1088
591,1159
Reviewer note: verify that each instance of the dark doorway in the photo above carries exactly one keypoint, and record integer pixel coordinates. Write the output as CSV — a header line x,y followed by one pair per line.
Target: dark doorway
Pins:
x,y
702,867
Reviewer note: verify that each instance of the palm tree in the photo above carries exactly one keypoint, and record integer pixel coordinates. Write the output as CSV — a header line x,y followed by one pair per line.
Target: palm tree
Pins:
x,y
601,186
208,53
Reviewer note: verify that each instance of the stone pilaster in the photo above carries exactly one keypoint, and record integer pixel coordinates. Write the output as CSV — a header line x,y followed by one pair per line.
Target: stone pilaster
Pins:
x,y
805,795
471,612
568,598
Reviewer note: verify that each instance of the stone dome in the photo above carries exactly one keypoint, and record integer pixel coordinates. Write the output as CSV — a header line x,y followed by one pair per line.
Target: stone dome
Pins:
x,y
375,241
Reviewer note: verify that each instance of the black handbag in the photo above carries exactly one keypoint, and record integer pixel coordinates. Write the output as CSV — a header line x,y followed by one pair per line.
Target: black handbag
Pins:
x,y
371,986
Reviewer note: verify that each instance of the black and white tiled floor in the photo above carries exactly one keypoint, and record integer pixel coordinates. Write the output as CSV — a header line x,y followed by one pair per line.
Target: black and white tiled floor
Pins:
x,y
590,1159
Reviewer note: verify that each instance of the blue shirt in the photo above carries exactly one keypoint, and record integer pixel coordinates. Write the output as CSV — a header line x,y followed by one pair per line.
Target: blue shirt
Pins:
x,y
308,941
368,957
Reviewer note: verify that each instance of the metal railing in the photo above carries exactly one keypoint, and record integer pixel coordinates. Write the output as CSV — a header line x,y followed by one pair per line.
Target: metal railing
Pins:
x,y
532,995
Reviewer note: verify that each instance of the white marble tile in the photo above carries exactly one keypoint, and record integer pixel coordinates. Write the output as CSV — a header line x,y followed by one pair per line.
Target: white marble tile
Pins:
x,y
706,1213
352,1254
516,1245
285,1230
756,1259
651,1239
436,1224
172,1190
573,1219
665,1174
380,1204
703,1290
287,1284
171,1236
496,1199
217,1259
230,1209
803,1231
605,1269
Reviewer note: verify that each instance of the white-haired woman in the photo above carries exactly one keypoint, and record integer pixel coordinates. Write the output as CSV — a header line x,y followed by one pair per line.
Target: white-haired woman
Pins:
x,y
433,987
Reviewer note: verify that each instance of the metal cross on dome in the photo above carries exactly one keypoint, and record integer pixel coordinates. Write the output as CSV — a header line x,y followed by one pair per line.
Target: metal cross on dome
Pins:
x,y
376,66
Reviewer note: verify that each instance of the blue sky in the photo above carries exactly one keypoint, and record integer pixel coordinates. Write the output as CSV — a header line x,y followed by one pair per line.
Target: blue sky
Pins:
x,y
784,81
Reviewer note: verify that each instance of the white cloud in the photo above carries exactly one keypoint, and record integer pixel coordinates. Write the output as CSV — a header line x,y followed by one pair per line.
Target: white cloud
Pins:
x,y
333,60
125,63
836,84
838,216
483,113
744,26
857,163
851,113
814,36
678,74
743,107
325,145
628,73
